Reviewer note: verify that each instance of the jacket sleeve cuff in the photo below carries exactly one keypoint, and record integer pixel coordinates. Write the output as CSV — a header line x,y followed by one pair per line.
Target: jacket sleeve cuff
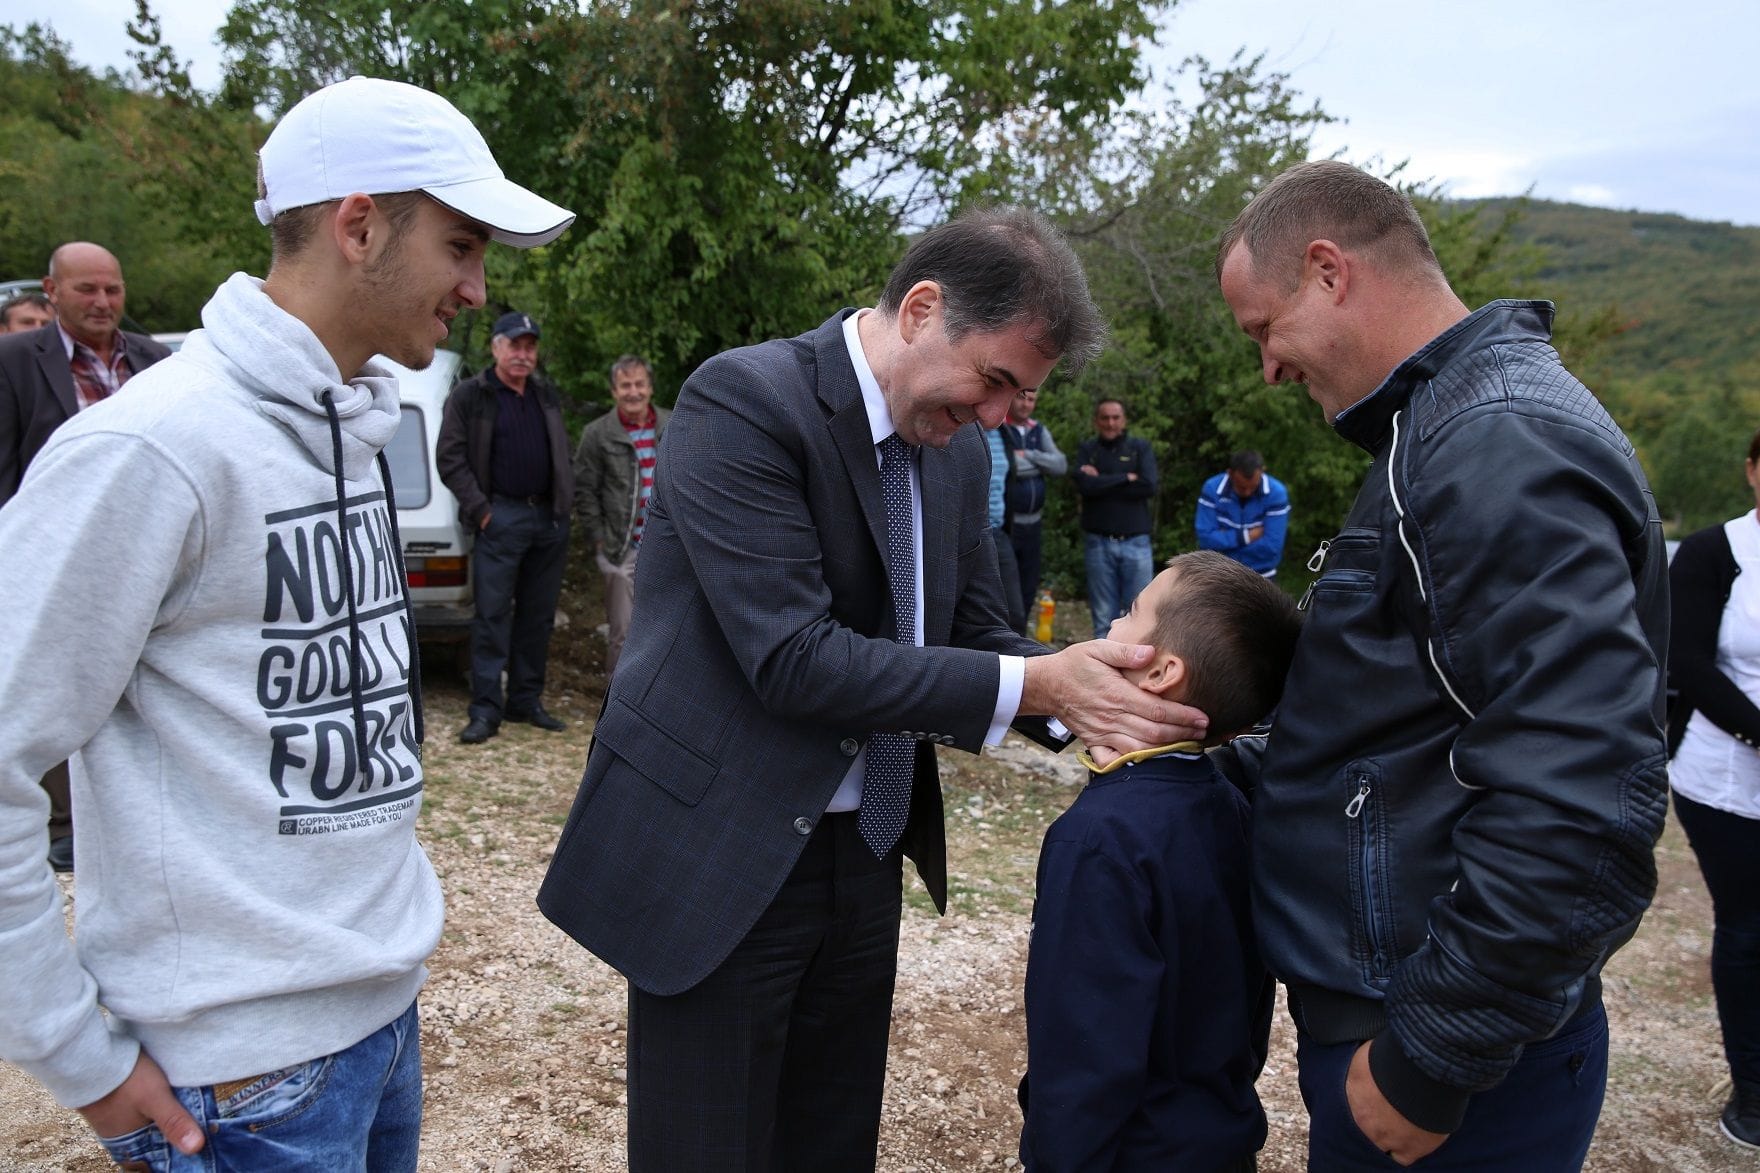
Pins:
x,y
1432,1106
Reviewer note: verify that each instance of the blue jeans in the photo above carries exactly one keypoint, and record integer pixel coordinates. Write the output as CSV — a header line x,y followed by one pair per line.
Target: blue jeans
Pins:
x,y
1118,570
357,1111
1542,1116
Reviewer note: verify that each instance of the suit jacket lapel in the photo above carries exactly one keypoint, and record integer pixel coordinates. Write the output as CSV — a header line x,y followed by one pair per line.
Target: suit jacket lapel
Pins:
x,y
134,353
842,396
937,481
52,360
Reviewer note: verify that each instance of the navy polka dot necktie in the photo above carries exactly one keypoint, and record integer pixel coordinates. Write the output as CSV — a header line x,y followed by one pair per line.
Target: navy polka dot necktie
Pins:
x,y
886,782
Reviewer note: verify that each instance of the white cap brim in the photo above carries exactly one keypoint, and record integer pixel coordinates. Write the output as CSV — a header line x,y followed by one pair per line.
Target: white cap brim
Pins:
x,y
513,215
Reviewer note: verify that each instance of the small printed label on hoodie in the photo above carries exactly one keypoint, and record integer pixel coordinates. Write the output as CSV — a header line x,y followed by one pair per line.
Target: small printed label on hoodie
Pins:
x,y
316,658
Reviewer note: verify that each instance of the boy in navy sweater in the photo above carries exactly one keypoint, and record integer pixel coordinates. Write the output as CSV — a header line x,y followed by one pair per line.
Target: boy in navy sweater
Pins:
x,y
1148,1009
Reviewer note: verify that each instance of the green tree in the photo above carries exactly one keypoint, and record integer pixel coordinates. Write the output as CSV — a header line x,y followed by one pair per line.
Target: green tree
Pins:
x,y
1145,212
121,163
739,169
1695,456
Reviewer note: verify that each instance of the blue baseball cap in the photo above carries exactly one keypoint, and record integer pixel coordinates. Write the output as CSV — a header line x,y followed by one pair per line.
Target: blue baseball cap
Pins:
x,y
516,325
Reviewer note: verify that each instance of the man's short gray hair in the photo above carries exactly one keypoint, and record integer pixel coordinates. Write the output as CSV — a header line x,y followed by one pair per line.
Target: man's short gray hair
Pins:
x,y
1326,200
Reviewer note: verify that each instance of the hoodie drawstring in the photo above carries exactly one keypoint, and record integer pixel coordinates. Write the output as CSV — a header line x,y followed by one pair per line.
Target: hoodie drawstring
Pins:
x,y
409,615
354,627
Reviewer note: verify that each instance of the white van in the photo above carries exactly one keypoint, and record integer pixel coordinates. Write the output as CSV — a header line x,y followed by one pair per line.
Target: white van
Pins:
x,y
436,544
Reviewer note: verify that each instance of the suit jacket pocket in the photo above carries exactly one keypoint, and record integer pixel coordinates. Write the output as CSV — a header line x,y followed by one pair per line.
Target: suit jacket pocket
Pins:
x,y
654,753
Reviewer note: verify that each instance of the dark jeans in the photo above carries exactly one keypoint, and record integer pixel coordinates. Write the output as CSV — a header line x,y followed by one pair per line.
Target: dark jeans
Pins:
x,y
56,784
1011,581
1728,847
1541,1117
1028,540
776,1061
517,564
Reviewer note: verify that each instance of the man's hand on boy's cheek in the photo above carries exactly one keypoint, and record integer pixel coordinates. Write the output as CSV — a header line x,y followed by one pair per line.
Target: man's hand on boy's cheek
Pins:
x,y
1082,686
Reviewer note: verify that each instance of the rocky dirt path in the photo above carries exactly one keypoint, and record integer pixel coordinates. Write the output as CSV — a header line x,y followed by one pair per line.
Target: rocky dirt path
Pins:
x,y
522,1031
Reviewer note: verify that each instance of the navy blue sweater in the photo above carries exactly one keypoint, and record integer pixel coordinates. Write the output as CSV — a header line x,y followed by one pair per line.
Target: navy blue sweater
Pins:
x,y
1148,1009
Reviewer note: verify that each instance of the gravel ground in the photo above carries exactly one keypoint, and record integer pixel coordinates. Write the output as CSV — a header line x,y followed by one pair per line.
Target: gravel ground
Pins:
x,y
523,1031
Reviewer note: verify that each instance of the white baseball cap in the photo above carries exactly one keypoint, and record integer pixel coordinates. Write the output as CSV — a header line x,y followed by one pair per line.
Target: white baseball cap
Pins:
x,y
374,136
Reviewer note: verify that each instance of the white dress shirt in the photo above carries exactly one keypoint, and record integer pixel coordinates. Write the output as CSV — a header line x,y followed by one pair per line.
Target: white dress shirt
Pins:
x,y
1014,668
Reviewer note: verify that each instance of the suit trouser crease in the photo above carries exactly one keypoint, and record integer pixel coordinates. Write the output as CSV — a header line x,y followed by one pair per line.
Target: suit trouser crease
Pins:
x,y
777,1060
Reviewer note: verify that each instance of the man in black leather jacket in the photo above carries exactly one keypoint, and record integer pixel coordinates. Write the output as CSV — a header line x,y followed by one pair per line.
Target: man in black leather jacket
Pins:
x,y
1456,808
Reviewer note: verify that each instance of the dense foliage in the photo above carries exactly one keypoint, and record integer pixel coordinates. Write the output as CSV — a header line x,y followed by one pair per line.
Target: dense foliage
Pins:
x,y
742,169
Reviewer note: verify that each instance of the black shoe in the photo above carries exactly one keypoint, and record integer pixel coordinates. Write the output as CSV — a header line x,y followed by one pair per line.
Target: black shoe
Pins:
x,y
539,717
61,853
477,731
1741,1116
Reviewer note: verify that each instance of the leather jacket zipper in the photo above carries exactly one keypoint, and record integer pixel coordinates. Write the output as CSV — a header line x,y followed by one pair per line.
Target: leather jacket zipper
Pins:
x,y
1316,563
1368,871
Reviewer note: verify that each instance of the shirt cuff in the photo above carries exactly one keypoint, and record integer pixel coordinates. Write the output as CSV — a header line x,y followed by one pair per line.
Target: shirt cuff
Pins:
x,y
1008,697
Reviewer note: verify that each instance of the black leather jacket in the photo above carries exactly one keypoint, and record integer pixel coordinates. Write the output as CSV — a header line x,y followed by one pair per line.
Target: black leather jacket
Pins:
x,y
1458,802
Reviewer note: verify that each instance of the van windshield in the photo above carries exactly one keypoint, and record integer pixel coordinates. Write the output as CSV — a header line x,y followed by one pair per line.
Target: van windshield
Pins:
x,y
407,455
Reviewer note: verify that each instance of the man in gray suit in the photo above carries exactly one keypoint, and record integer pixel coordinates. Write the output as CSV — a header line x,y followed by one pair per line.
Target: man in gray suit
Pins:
x,y
818,607
48,374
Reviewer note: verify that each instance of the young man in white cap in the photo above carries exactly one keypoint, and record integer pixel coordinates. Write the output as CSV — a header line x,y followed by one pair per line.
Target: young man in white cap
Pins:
x,y
209,615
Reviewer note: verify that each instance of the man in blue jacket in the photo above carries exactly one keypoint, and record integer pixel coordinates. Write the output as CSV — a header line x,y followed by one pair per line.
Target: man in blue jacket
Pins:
x,y
1243,512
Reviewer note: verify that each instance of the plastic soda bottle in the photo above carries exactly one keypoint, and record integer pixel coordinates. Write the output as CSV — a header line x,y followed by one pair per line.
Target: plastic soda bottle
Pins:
x,y
1047,609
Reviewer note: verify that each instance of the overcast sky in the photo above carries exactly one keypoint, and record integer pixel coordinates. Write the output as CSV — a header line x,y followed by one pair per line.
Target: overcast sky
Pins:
x,y
1611,102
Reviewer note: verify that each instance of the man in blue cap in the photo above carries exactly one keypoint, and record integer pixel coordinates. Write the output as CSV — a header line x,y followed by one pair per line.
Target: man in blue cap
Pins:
x,y
503,451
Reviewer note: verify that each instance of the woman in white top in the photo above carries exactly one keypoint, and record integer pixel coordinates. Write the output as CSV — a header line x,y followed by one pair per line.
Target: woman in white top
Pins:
x,y
1714,662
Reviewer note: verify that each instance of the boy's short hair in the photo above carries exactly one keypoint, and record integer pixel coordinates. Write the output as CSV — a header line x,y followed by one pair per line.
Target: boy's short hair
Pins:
x,y
1236,632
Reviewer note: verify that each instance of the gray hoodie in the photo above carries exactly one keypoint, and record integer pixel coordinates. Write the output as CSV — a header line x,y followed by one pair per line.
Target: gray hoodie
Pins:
x,y
251,892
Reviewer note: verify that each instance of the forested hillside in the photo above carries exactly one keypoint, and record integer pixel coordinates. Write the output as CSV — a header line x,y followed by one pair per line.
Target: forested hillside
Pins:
x,y
1676,303
1687,292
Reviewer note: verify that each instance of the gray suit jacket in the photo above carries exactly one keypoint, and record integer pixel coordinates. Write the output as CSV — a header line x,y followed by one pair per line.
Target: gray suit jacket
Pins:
x,y
760,658
37,395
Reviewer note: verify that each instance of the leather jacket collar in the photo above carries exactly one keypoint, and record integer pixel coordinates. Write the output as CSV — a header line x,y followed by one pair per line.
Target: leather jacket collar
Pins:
x,y
1366,422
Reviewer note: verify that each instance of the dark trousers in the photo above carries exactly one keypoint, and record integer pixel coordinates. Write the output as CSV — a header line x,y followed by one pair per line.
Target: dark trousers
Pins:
x,y
1541,1117
56,785
775,1062
1728,847
1012,601
517,564
1028,540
